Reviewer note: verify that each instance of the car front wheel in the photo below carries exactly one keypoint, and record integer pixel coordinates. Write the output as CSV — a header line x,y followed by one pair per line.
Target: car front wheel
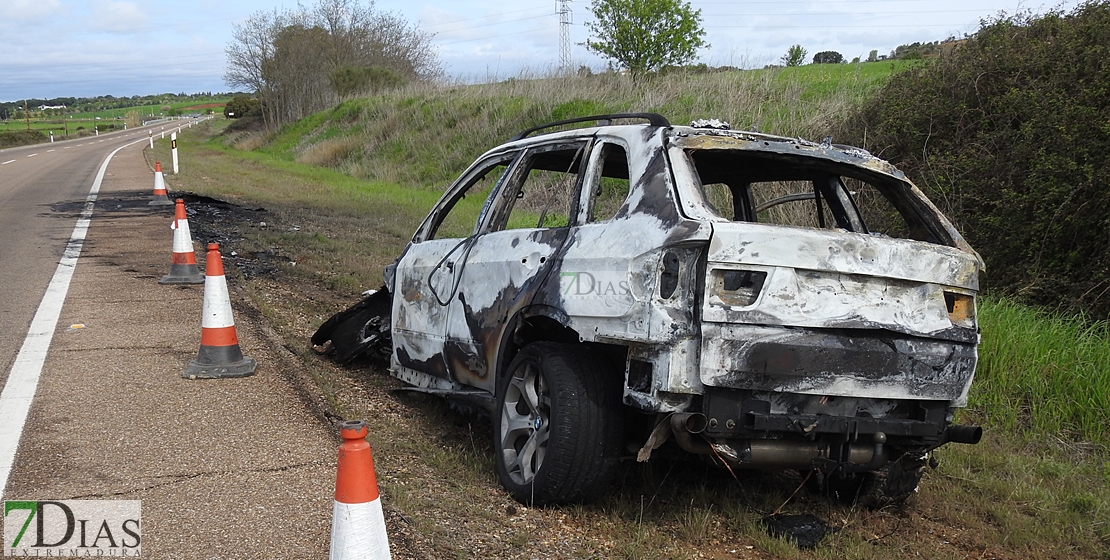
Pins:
x,y
557,431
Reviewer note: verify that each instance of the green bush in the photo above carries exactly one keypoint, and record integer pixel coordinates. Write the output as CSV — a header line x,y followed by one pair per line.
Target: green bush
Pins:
x,y
21,138
1009,133
242,106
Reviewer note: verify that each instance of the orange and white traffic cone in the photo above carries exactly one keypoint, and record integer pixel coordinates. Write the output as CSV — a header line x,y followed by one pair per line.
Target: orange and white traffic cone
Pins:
x,y
219,354
160,198
358,523
183,267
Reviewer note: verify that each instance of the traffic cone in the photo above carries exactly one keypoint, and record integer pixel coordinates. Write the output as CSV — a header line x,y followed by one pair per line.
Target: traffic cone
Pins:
x,y
357,524
219,354
160,198
183,267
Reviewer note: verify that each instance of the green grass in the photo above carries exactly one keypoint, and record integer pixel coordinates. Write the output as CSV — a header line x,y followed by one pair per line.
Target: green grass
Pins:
x,y
19,126
1042,373
109,119
147,110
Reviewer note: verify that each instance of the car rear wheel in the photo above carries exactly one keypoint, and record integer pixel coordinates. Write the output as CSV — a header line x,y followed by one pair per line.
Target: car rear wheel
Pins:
x,y
557,430
891,485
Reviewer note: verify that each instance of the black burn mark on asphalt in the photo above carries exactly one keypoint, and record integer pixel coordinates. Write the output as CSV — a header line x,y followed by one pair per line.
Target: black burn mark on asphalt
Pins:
x,y
210,221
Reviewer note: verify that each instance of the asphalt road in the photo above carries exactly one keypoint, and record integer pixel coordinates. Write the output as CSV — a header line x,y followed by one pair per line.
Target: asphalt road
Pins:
x,y
232,468
32,236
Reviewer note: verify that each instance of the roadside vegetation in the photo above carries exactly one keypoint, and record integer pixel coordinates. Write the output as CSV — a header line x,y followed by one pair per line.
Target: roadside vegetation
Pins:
x,y
422,136
345,188
1009,134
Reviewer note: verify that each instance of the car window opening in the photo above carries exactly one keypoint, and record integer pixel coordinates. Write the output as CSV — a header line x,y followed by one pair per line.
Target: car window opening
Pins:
x,y
794,191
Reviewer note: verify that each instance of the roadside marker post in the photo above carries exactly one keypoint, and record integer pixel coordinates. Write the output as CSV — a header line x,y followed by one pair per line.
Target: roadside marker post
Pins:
x,y
358,522
160,197
219,356
51,136
173,150
150,134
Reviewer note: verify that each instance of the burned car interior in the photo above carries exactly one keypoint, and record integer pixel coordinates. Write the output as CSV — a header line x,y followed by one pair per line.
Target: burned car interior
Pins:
x,y
798,191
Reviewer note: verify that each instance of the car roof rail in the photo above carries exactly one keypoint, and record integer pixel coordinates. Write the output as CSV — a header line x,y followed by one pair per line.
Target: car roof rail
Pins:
x,y
653,119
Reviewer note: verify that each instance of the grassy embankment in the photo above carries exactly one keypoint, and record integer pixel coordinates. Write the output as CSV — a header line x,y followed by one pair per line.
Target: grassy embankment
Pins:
x,y
345,188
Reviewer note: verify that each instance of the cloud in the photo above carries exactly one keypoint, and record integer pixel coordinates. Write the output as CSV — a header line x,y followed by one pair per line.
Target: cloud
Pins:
x,y
29,10
117,16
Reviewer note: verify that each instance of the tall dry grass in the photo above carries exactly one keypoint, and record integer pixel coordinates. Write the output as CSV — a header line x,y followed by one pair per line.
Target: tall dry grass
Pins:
x,y
424,135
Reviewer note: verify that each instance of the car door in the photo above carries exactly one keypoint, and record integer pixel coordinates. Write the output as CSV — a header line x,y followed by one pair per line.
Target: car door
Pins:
x,y
426,275
500,270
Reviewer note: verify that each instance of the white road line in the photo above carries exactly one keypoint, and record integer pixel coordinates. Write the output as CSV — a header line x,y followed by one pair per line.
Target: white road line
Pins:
x,y
48,151
23,380
7,162
32,155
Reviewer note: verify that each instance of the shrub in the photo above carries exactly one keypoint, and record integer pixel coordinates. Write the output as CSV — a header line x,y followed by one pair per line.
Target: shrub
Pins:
x,y
1010,134
828,57
21,138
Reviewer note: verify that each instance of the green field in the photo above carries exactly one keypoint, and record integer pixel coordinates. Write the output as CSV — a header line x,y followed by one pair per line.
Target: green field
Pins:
x,y
83,123
154,110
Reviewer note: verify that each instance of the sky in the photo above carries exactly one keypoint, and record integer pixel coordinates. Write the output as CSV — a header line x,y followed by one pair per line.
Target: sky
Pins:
x,y
84,48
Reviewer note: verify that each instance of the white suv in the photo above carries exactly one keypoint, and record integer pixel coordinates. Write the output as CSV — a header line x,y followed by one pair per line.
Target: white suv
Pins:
x,y
764,302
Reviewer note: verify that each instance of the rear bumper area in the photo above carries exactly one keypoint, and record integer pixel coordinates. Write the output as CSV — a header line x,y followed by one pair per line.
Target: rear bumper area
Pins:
x,y
841,363
745,414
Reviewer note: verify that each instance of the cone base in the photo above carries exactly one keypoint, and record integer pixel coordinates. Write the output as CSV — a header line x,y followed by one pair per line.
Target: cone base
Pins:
x,y
197,370
192,279
160,201
183,274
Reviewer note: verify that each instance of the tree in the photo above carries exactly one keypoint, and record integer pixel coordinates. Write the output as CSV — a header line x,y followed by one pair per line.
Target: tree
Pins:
x,y
795,56
873,56
350,81
828,57
303,61
645,35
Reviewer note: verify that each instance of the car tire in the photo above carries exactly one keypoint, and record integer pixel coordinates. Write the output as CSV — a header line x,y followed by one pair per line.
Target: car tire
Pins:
x,y
888,486
362,328
557,426
894,483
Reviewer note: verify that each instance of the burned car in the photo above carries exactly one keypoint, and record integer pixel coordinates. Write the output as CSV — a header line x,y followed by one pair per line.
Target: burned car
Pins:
x,y
761,301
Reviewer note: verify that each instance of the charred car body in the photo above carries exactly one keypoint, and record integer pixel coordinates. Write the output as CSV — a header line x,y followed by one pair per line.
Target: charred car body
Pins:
x,y
765,302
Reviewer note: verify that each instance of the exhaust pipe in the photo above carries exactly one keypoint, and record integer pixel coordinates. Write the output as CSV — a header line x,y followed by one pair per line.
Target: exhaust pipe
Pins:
x,y
957,433
684,426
